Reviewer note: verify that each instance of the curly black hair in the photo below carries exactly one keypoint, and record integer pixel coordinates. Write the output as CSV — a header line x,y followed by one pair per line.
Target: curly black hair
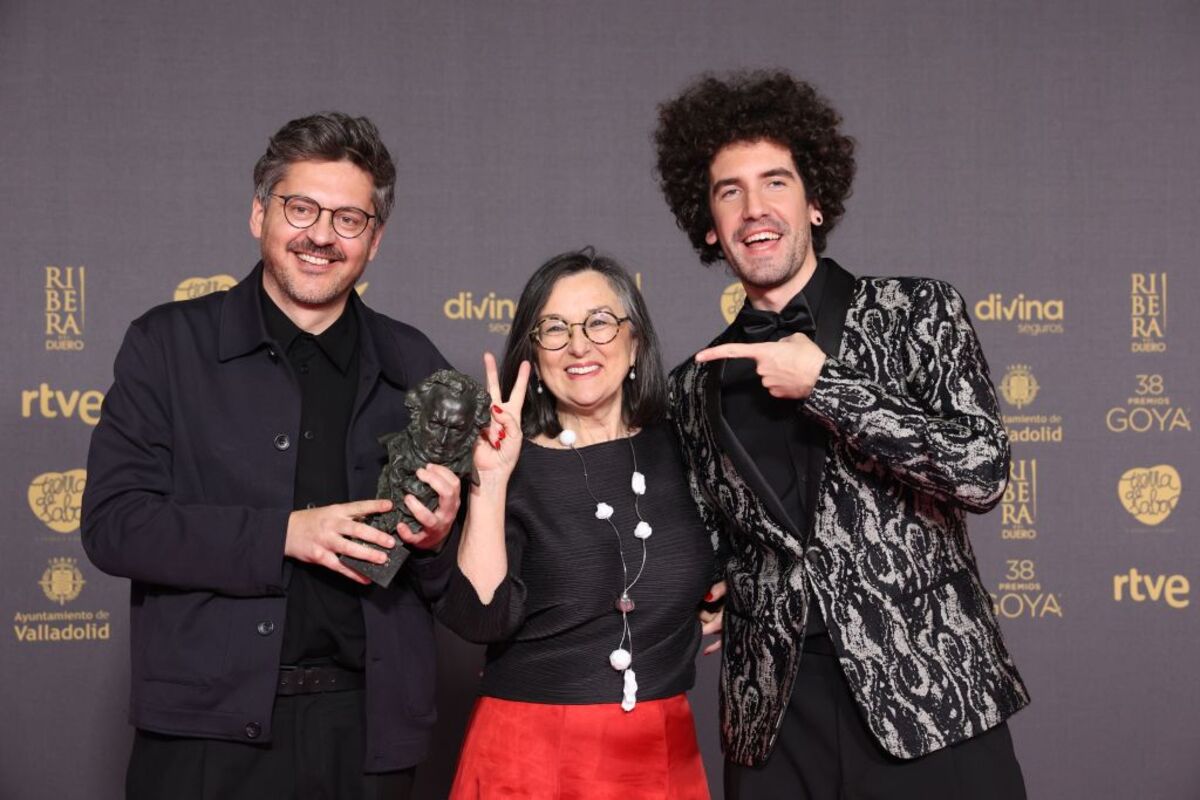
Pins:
x,y
750,107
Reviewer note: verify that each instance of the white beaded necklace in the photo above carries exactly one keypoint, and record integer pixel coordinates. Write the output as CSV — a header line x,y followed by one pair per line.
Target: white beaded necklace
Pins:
x,y
620,659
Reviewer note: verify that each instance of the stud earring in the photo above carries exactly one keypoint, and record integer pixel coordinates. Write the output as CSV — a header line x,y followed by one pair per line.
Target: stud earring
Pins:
x,y
632,372
818,219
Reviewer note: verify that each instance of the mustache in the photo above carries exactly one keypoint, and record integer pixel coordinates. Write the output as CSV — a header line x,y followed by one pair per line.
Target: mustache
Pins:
x,y
309,247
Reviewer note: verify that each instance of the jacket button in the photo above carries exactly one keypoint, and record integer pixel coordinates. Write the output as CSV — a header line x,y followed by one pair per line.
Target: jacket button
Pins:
x,y
282,442
266,627
308,435
253,729
271,354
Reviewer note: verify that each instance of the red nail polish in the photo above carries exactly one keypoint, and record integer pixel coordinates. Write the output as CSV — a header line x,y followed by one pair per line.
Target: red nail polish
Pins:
x,y
497,410
708,598
503,433
496,445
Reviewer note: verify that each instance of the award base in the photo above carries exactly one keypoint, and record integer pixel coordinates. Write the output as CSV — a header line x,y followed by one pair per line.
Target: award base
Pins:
x,y
381,574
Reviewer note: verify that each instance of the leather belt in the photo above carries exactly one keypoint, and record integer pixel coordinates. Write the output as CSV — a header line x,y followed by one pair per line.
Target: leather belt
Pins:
x,y
324,678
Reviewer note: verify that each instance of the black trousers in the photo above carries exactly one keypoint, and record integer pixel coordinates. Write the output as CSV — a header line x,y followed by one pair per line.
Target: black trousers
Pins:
x,y
826,752
316,754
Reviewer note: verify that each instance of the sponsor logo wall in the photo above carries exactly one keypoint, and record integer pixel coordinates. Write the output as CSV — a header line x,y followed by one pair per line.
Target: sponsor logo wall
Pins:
x,y
1064,226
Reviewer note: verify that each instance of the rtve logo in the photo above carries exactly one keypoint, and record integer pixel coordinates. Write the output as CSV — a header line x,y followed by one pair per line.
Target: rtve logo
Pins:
x,y
51,403
1142,587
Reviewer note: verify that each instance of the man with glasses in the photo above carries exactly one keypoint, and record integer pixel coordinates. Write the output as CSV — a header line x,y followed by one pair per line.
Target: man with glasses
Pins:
x,y
231,463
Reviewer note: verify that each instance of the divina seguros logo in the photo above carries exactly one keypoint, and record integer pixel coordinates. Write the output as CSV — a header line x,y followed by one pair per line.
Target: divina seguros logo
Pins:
x,y
496,311
1032,317
491,308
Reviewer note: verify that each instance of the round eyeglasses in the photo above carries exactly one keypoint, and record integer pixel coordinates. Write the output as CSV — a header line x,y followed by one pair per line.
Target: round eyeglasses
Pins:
x,y
554,333
303,212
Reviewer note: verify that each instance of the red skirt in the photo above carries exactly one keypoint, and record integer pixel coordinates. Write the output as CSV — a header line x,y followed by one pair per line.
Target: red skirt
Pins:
x,y
587,752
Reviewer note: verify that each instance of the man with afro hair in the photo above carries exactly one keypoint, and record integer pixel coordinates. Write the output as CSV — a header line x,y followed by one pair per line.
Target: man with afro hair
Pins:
x,y
836,435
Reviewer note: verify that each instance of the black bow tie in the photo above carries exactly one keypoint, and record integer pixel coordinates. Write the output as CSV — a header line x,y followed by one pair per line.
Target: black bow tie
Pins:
x,y
758,325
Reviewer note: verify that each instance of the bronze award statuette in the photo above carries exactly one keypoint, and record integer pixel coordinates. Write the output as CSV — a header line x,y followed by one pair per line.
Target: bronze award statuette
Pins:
x,y
447,411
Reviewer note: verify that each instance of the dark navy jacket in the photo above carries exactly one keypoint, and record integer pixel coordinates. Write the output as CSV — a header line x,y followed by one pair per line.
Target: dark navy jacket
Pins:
x,y
190,481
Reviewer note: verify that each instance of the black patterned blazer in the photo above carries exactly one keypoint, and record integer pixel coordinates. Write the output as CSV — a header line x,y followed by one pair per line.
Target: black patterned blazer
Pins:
x,y
914,442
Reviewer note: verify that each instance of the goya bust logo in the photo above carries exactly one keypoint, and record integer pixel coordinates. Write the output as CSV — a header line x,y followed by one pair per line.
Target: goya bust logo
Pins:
x,y
62,581
198,287
732,300
1150,494
55,498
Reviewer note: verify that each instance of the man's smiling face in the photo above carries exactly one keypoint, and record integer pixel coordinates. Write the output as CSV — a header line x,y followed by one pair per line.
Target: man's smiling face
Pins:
x,y
314,268
761,214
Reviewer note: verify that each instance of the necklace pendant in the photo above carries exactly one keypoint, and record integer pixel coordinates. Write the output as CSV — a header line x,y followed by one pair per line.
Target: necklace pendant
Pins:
x,y
625,603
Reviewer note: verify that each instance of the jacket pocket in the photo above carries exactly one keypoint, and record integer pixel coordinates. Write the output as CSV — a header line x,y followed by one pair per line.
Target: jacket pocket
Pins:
x,y
184,637
949,602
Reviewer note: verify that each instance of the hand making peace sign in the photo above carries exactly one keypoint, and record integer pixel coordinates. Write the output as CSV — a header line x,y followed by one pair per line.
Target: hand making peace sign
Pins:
x,y
789,368
499,446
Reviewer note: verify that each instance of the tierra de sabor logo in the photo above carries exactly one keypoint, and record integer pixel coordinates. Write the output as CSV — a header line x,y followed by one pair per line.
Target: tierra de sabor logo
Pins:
x,y
1150,494
1019,388
732,299
1021,594
191,288
50,403
1032,317
1148,312
56,497
1149,410
66,307
1018,507
61,583
1139,586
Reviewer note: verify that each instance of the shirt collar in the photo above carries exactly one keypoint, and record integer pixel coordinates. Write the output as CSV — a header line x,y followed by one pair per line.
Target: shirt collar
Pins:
x,y
813,291
339,341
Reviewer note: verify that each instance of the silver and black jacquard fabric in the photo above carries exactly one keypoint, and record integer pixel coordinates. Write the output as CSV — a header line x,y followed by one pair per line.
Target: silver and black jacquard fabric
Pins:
x,y
916,443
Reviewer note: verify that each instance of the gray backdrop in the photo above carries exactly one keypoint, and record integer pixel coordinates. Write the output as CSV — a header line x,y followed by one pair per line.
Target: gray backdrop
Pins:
x,y
1040,155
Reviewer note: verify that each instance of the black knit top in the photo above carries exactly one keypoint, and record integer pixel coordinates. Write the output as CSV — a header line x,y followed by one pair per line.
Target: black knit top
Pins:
x,y
552,622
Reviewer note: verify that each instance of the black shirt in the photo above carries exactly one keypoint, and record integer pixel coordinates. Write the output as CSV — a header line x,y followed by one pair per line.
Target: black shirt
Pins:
x,y
324,620
552,622
774,433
